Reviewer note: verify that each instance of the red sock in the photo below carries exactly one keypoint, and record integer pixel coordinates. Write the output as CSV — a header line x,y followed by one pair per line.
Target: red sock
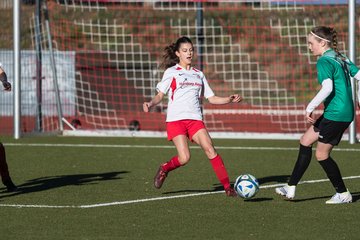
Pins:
x,y
171,165
220,171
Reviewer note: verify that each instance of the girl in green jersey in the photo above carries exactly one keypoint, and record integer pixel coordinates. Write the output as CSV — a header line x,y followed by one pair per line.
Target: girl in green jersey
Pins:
x,y
4,171
333,72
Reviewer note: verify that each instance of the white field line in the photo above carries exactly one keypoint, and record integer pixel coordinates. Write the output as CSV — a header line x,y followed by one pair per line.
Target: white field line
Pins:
x,y
152,199
161,146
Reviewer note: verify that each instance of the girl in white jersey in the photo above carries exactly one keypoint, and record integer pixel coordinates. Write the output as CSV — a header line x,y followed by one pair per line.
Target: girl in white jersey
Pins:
x,y
185,85
4,171
334,71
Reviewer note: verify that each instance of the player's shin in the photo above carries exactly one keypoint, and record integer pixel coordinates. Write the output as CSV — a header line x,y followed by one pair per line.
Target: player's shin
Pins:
x,y
302,163
333,172
172,164
220,171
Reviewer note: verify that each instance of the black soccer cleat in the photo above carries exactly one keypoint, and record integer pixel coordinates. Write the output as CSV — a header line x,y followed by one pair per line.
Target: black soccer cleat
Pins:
x,y
10,186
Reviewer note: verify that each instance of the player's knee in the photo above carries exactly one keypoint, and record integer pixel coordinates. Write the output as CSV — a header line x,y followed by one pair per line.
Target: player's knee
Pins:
x,y
320,155
210,152
305,141
184,158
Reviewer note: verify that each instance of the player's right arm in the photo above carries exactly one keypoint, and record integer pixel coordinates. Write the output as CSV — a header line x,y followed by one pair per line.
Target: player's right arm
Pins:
x,y
155,101
162,88
3,79
325,91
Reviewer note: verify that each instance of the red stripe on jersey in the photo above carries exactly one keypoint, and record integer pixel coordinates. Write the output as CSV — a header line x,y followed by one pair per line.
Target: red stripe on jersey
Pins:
x,y
178,68
173,87
195,69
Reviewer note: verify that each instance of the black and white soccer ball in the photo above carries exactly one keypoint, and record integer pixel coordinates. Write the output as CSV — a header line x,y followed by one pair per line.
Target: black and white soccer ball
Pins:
x,y
246,186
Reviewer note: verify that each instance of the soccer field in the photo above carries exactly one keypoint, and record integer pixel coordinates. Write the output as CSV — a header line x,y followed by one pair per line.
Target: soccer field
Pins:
x,y
102,188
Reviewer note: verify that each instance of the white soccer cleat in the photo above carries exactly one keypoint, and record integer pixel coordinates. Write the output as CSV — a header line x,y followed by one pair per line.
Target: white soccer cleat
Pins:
x,y
340,198
286,191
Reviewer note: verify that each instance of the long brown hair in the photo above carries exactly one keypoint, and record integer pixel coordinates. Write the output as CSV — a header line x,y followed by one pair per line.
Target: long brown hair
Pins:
x,y
169,58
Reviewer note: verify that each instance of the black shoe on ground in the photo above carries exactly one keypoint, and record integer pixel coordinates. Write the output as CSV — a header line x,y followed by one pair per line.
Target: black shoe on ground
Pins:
x,y
10,186
160,177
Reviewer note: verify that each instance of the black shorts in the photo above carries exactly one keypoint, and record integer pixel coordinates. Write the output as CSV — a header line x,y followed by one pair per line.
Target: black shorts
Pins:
x,y
330,131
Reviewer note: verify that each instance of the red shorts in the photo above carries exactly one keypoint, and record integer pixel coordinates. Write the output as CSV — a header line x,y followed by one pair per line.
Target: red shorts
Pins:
x,y
183,127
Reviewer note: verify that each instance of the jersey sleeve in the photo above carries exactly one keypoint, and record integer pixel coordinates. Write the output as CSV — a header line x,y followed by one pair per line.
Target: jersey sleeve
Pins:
x,y
353,69
324,70
208,92
325,91
355,73
164,85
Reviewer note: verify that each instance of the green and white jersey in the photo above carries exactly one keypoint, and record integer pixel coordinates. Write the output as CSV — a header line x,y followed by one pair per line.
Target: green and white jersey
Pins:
x,y
339,104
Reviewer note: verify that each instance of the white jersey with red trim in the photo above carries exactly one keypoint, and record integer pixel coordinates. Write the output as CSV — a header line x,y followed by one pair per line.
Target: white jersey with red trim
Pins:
x,y
184,89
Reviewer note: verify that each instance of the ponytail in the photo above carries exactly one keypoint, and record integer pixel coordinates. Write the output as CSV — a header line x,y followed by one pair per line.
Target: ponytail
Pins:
x,y
170,58
335,44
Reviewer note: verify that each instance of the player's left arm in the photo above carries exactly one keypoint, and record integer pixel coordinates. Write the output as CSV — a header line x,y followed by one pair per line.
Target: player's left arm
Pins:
x,y
358,93
213,99
358,85
355,73
234,98
357,77
3,79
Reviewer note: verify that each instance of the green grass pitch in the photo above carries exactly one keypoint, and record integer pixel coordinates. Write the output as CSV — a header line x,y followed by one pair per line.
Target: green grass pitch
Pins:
x,y
101,188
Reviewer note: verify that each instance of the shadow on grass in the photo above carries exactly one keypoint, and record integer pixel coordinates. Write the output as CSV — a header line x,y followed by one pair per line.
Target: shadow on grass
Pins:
x,y
356,197
274,179
52,182
218,187
258,199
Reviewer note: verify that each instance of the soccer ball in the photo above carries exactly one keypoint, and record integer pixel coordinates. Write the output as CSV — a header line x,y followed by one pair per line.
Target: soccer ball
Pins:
x,y
246,186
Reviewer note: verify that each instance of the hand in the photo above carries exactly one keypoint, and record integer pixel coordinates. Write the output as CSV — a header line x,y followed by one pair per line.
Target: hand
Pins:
x,y
309,118
235,98
6,85
147,106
